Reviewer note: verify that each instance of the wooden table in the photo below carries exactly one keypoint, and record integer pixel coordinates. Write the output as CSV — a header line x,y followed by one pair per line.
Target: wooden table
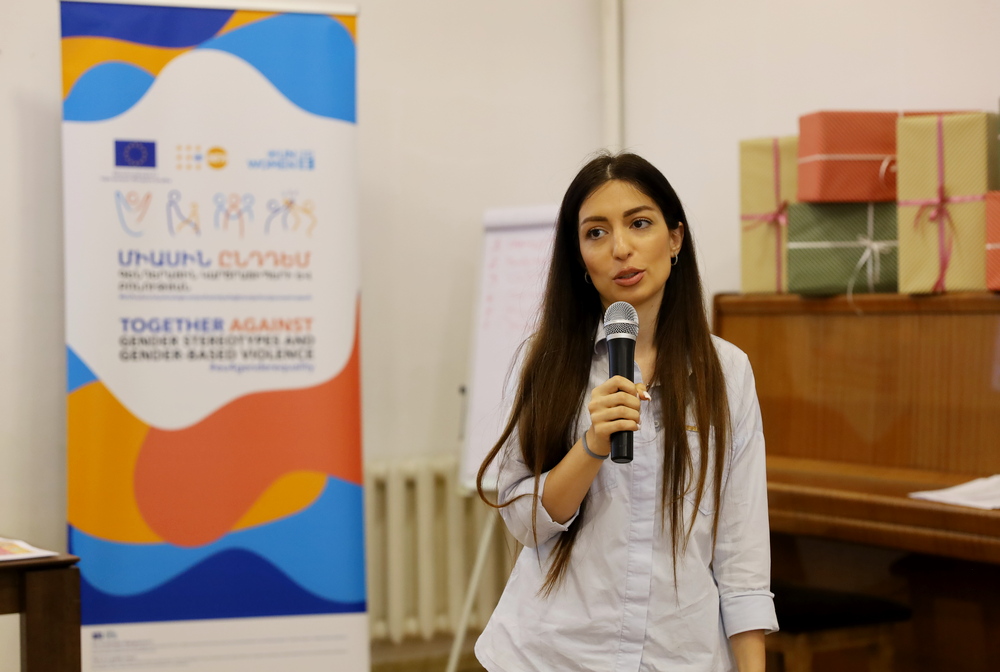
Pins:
x,y
46,592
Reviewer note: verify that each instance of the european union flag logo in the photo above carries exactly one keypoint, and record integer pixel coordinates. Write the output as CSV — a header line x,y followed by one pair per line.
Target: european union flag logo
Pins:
x,y
135,154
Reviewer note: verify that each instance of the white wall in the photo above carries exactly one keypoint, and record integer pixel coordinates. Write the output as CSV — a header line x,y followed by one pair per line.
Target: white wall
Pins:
x,y
702,75
462,107
32,350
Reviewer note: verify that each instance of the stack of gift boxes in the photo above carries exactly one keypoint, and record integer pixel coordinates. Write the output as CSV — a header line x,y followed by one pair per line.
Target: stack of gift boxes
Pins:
x,y
863,202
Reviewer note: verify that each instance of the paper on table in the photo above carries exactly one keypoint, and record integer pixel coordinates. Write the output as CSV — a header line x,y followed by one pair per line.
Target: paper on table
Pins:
x,y
15,549
982,493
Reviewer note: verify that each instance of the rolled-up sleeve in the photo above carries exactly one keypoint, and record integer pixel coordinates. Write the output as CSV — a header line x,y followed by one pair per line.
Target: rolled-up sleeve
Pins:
x,y
517,486
742,561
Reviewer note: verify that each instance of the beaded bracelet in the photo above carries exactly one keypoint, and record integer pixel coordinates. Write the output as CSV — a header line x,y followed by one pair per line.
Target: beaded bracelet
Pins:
x,y
587,450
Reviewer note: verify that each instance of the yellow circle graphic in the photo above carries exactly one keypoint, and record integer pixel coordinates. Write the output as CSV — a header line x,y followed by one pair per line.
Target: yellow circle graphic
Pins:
x,y
217,157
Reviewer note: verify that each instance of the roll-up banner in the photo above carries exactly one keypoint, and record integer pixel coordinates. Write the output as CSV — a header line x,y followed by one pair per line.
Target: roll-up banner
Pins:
x,y
212,312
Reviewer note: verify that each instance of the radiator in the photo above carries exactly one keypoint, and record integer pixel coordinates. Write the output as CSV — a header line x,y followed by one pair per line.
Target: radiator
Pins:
x,y
422,537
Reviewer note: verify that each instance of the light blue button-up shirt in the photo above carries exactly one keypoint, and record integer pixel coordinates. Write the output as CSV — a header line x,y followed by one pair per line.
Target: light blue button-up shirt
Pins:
x,y
618,608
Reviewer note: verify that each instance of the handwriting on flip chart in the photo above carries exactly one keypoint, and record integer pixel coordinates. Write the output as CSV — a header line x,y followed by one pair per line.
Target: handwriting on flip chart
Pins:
x,y
515,267
517,245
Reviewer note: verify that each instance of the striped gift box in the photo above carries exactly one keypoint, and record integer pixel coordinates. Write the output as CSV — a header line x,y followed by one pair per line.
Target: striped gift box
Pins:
x,y
947,164
767,187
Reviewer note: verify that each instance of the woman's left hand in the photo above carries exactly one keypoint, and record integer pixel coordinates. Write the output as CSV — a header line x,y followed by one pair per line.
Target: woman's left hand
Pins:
x,y
748,649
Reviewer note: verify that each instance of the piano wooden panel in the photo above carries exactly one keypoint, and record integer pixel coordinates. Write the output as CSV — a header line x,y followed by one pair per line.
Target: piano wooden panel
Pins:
x,y
868,400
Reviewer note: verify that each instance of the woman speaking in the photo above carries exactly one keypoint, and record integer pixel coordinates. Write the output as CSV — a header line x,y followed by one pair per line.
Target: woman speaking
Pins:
x,y
662,563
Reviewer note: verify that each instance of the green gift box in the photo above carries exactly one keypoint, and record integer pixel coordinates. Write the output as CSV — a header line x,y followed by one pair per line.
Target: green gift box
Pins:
x,y
842,248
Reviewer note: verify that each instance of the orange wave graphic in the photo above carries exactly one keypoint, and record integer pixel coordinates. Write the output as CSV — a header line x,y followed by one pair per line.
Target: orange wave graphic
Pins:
x,y
349,22
80,54
289,494
194,484
105,441
104,444
243,17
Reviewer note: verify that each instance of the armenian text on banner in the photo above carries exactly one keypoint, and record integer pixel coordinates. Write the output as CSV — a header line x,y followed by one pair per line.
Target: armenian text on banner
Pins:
x,y
212,308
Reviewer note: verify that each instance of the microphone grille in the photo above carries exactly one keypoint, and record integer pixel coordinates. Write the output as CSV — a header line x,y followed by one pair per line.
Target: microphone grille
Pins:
x,y
621,318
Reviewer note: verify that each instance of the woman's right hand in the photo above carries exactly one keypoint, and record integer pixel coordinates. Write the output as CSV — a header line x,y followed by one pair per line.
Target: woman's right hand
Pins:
x,y
614,407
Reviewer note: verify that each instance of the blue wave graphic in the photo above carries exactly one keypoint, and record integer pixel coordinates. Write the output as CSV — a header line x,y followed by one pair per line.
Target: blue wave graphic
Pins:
x,y
105,91
232,584
321,549
78,374
310,59
156,26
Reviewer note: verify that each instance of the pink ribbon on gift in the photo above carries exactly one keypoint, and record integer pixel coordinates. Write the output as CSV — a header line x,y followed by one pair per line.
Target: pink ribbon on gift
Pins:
x,y
938,209
778,216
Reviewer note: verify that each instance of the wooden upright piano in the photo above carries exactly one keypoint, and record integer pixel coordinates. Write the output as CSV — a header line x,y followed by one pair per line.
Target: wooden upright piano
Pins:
x,y
865,401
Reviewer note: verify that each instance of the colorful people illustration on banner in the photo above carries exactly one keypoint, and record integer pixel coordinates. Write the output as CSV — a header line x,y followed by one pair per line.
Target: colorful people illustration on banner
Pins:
x,y
248,202
307,210
132,210
176,219
291,213
276,208
233,208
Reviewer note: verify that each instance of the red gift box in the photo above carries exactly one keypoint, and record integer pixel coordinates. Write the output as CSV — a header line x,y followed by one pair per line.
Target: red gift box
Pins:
x,y
847,157
993,240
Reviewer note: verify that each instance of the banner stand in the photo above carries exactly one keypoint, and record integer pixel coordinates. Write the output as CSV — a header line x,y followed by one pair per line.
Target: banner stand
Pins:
x,y
212,315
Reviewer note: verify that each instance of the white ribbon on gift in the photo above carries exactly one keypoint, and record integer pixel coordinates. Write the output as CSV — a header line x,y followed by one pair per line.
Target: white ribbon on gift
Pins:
x,y
888,161
870,258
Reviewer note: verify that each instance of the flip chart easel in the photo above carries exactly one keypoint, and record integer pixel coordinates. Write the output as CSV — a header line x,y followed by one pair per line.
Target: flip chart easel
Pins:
x,y
517,245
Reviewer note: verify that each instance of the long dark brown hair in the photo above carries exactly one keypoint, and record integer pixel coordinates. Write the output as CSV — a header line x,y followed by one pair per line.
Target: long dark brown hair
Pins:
x,y
556,365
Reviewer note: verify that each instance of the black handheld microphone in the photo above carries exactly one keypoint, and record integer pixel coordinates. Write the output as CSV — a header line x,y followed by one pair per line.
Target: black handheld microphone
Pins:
x,y
621,327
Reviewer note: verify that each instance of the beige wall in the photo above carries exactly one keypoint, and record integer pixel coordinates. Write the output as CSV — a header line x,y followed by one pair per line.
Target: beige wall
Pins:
x,y
462,106
32,351
699,76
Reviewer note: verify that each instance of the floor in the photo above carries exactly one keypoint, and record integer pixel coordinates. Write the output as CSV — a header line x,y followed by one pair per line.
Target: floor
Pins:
x,y
421,656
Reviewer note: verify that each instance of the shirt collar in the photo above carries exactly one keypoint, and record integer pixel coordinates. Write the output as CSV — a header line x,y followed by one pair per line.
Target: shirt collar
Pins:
x,y
600,348
600,338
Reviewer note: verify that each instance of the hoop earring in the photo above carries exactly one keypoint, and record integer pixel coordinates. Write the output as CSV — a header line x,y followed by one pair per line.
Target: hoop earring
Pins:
x,y
586,278
674,259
